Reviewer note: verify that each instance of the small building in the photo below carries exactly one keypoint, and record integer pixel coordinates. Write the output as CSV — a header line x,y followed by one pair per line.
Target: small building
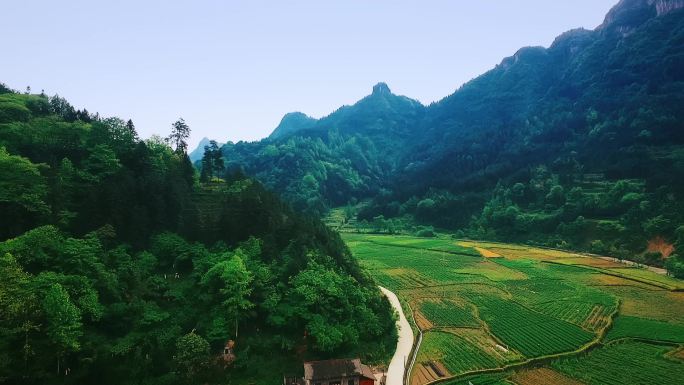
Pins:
x,y
338,372
228,355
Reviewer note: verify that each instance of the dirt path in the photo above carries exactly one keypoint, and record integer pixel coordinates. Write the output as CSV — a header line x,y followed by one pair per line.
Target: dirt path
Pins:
x,y
395,371
654,269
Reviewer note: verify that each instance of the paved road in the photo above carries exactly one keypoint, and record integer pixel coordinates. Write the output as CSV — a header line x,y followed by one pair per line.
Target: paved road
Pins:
x,y
395,372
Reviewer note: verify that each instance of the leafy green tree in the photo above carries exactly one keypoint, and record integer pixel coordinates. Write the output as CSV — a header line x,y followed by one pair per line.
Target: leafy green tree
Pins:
x,y
64,328
229,284
19,319
21,183
23,194
64,325
556,196
101,163
675,266
192,354
331,307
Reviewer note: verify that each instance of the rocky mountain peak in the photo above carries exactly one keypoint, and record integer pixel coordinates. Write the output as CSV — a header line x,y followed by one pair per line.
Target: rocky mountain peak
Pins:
x,y
627,15
381,89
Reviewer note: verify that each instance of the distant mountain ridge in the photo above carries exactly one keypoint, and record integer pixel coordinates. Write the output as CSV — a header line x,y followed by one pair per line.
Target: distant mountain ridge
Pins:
x,y
291,123
369,113
198,152
604,102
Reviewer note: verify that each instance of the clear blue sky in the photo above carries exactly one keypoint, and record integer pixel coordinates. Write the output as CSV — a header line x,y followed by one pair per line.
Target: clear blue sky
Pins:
x,y
232,69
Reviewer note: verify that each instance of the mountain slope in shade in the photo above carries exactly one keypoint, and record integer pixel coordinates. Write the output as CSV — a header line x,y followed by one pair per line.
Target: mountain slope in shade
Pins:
x,y
292,123
198,152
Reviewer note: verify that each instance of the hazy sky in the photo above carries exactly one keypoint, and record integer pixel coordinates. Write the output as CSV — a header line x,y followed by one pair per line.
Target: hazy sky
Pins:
x,y
232,69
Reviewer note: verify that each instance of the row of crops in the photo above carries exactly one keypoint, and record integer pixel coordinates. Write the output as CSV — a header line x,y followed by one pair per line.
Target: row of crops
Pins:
x,y
455,352
628,362
531,333
589,316
449,314
625,326
567,310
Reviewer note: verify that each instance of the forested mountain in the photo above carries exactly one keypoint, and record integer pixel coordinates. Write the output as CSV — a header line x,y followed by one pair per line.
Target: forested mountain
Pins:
x,y
576,145
117,266
292,123
352,152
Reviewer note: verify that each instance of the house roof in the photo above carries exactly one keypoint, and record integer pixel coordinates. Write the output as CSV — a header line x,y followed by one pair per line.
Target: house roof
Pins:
x,y
329,369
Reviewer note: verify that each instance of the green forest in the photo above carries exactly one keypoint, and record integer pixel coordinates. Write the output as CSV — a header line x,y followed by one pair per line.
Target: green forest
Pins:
x,y
120,263
577,146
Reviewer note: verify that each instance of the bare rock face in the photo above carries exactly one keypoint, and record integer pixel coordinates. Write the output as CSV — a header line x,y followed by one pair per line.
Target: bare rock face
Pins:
x,y
630,14
666,6
381,89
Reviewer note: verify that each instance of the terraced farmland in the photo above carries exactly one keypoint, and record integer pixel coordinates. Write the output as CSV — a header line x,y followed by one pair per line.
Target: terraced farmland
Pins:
x,y
498,314
456,353
628,362
531,333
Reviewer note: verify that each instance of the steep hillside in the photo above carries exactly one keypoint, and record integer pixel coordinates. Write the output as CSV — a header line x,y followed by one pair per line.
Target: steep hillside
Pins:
x,y
597,111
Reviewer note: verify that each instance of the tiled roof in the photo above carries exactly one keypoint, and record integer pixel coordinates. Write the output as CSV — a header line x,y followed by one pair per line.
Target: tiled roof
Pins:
x,y
328,369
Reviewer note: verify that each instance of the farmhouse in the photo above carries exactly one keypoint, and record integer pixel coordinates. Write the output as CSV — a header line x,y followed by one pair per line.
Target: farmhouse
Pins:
x,y
338,372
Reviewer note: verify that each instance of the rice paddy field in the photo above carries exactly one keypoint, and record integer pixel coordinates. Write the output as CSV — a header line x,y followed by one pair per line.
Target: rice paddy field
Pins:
x,y
494,313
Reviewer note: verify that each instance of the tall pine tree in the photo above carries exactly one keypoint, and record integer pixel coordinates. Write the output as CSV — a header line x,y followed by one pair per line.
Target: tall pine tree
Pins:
x,y
180,132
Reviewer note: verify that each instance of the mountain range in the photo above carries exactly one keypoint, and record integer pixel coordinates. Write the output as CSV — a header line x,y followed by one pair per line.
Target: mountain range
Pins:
x,y
591,119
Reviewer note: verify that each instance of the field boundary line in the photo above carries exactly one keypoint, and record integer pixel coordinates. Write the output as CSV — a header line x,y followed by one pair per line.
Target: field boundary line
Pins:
x,y
644,341
645,281
416,347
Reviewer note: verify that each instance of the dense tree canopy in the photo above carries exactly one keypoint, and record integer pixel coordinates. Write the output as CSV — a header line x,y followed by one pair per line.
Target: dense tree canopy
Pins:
x,y
118,266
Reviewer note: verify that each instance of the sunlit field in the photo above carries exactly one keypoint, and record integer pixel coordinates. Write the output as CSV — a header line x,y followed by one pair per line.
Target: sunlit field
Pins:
x,y
493,313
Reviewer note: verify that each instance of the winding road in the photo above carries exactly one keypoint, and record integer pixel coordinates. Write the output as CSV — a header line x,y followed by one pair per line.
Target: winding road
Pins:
x,y
395,371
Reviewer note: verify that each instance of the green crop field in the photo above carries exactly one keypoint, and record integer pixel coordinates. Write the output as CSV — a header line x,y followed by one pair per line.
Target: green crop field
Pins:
x,y
512,309
457,353
626,326
449,314
628,362
531,333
